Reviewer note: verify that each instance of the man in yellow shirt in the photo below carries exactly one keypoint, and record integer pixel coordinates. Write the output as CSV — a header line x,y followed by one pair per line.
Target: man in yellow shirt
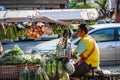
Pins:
x,y
88,52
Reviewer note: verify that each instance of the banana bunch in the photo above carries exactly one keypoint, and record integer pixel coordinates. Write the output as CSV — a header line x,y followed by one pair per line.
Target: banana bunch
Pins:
x,y
58,29
60,68
41,74
21,32
11,33
2,33
53,69
49,69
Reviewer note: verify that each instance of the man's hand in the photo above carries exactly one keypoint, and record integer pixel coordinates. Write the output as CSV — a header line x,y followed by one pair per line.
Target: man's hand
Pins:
x,y
76,56
72,61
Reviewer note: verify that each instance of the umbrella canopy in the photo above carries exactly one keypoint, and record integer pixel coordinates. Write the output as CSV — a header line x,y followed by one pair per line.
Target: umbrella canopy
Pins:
x,y
65,16
18,15
58,16
2,13
50,20
69,14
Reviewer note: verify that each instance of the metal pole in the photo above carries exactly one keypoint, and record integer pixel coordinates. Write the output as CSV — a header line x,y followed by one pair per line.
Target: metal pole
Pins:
x,y
117,11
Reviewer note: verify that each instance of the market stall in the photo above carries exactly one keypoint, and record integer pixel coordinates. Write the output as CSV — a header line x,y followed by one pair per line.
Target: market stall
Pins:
x,y
13,61
16,65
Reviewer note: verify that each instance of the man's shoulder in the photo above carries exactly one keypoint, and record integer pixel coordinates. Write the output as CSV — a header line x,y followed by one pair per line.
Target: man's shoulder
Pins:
x,y
87,40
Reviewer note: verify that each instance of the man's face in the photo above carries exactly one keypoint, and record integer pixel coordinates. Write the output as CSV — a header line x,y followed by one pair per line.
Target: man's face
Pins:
x,y
80,32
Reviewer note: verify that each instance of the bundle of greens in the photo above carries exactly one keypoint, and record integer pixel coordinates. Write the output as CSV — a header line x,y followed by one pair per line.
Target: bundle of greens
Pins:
x,y
16,50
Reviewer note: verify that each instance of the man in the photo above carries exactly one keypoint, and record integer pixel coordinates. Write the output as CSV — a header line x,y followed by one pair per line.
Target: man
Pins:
x,y
88,53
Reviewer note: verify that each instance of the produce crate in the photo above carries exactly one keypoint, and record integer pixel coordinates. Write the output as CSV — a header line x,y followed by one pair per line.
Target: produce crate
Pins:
x,y
31,67
11,72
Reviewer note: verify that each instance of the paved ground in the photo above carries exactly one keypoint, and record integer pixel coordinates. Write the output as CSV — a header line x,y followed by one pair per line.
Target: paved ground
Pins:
x,y
26,46
113,69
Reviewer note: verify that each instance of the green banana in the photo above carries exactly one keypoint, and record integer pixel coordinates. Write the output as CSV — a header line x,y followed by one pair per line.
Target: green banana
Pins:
x,y
45,76
60,68
49,69
38,74
54,69
41,75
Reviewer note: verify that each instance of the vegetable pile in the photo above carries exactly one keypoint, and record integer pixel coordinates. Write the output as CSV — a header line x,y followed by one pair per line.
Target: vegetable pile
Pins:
x,y
17,56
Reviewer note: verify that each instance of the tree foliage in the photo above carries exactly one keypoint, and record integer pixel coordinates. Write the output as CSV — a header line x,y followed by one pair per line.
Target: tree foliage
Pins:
x,y
82,5
103,7
71,4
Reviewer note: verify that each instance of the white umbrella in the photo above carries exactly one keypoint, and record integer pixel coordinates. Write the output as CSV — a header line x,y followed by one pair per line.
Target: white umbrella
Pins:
x,y
18,15
50,20
2,13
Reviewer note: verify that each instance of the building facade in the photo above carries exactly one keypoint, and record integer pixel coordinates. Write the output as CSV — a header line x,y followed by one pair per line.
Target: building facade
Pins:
x,y
32,4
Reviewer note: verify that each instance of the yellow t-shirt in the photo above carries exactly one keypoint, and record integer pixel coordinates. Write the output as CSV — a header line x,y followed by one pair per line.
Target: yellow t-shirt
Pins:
x,y
93,59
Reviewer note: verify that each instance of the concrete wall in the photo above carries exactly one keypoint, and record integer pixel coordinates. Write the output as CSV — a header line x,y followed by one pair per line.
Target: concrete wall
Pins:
x,y
31,4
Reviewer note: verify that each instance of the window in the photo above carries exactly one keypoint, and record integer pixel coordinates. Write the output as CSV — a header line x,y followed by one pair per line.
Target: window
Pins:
x,y
103,35
108,21
119,34
100,22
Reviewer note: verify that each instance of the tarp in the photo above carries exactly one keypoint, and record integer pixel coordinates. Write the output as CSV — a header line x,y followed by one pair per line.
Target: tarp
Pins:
x,y
69,14
47,19
65,16
2,13
58,15
18,15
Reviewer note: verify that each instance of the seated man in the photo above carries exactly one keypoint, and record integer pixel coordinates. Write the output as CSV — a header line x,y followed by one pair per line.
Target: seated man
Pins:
x,y
88,53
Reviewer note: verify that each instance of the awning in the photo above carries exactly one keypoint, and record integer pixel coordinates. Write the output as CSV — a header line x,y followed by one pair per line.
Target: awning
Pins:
x,y
69,14
2,13
47,19
58,15
18,15
65,16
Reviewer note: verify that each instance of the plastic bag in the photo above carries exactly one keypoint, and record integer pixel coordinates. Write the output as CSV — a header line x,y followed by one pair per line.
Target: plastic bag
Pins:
x,y
25,74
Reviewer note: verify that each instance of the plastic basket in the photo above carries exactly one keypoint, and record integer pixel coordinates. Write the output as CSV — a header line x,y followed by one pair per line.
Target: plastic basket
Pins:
x,y
11,72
